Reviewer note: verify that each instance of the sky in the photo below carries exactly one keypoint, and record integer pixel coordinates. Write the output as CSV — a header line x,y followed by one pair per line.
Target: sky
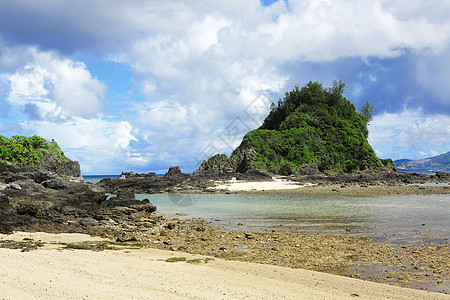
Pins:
x,y
143,85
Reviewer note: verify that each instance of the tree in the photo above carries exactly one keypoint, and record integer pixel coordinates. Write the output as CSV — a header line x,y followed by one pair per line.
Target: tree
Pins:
x,y
338,87
367,111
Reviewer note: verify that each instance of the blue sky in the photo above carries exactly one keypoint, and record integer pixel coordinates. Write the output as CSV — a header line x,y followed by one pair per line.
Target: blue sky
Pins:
x,y
143,85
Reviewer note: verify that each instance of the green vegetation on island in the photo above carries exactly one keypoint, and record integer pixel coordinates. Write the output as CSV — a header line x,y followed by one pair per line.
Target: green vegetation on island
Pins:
x,y
312,129
28,150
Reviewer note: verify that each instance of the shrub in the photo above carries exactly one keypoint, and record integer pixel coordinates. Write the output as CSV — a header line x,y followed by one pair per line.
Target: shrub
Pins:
x,y
28,150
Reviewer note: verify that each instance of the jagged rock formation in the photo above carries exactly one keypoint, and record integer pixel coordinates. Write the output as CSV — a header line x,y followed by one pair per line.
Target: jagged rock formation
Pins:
x,y
131,174
239,165
145,183
52,193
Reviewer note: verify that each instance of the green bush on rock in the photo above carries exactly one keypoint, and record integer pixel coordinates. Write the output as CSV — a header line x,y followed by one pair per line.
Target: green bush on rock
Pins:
x,y
28,150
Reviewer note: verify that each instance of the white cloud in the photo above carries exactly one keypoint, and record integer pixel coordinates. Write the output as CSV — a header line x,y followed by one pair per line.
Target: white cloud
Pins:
x,y
60,88
99,145
199,64
434,152
410,128
357,90
168,117
329,30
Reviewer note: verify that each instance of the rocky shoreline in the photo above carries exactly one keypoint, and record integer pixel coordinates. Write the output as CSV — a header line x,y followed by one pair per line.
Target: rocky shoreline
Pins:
x,y
50,199
358,184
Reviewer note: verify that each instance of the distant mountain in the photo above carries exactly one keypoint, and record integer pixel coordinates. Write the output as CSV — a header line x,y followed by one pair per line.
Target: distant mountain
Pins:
x,y
399,162
426,165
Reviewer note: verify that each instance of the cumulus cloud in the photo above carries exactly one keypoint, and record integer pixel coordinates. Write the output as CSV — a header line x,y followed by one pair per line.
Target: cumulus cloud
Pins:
x,y
99,145
309,30
61,100
58,87
410,129
197,66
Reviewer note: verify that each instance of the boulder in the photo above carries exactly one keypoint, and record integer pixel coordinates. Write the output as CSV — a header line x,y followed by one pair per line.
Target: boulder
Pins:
x,y
174,172
131,174
5,206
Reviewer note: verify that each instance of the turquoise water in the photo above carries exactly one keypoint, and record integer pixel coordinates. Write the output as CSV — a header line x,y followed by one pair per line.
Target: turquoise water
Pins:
x,y
403,219
397,219
96,178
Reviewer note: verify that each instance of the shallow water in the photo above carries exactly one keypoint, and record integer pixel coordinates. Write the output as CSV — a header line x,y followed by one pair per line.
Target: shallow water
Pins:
x,y
396,219
96,178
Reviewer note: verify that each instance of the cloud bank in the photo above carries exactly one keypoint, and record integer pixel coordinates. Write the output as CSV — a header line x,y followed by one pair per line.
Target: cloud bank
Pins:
x,y
194,69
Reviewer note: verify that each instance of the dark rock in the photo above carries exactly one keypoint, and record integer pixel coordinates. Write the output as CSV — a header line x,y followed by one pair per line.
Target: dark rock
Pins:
x,y
131,174
66,167
53,195
174,172
126,237
33,207
141,185
5,206
249,236
146,208
125,195
88,222
127,199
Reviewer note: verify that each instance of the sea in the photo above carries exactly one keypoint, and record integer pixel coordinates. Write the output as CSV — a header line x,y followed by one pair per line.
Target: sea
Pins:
x,y
390,219
96,178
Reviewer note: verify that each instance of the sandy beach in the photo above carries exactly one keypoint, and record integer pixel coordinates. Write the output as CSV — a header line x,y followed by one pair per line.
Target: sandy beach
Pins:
x,y
51,272
284,186
246,186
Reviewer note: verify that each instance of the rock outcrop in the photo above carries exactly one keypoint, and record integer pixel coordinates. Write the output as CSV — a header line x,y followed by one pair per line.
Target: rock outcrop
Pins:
x,y
239,166
131,174
174,173
53,194
145,183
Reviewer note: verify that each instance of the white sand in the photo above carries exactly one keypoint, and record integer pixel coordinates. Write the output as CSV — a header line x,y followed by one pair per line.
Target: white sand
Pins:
x,y
276,184
50,273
